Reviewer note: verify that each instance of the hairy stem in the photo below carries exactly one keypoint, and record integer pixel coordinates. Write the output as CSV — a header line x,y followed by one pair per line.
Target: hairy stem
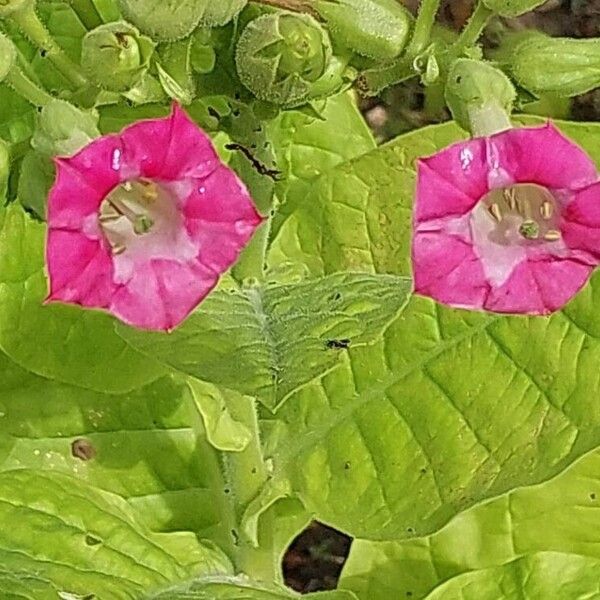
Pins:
x,y
474,28
423,26
21,84
28,21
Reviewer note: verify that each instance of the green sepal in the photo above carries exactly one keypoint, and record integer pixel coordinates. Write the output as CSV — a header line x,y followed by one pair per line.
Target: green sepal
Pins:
x,y
115,56
279,57
219,12
62,129
563,66
480,96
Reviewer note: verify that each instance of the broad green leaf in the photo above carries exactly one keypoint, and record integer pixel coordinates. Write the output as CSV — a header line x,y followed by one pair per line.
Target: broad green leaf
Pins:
x,y
35,179
559,515
450,408
64,343
17,117
270,341
544,576
305,149
61,536
144,446
231,588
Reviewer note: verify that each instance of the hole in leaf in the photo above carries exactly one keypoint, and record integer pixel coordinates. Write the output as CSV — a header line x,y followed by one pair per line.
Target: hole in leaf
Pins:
x,y
83,449
314,560
90,540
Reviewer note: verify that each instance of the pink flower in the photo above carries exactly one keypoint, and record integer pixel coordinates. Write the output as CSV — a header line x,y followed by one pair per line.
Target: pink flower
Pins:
x,y
509,223
142,224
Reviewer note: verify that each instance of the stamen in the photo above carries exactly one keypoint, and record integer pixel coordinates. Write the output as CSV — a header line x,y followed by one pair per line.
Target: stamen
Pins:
x,y
529,229
510,196
546,210
552,235
118,249
495,211
150,191
108,218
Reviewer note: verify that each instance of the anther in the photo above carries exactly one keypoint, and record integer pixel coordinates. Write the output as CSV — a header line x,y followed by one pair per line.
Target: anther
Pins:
x,y
546,210
108,218
529,229
510,197
495,211
118,249
552,235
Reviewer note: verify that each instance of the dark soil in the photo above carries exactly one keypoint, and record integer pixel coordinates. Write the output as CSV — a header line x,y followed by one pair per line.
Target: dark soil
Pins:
x,y
315,559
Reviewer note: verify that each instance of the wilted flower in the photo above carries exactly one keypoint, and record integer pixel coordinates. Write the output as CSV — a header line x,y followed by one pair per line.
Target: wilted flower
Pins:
x,y
508,223
143,223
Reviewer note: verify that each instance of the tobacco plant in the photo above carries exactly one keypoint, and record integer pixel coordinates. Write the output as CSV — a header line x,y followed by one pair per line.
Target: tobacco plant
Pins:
x,y
226,312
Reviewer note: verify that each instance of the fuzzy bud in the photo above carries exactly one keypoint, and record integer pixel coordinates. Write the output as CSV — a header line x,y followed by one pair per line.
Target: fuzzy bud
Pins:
x,y
220,12
562,66
115,56
374,28
280,55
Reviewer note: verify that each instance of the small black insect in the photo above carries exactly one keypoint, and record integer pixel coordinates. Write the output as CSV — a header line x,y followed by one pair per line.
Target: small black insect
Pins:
x,y
337,344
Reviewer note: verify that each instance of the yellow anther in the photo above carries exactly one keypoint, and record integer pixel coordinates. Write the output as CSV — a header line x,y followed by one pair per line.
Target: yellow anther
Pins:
x,y
495,211
546,210
552,235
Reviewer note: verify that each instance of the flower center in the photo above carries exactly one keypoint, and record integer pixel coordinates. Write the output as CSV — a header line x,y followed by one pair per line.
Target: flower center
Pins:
x,y
522,213
132,209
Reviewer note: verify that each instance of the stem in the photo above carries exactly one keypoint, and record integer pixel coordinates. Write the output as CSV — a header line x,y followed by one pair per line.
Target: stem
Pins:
x,y
21,84
87,13
248,474
423,26
34,29
474,28
373,81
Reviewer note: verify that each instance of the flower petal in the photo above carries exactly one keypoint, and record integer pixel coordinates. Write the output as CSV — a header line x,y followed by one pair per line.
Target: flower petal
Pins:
x,y
447,270
80,269
452,181
162,293
221,198
580,224
71,198
542,155
99,164
539,287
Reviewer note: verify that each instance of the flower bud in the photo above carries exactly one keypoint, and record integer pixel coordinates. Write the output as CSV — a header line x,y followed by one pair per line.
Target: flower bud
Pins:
x,y
563,66
375,28
8,56
512,8
337,75
115,56
480,96
220,12
8,7
165,21
62,129
280,55
4,169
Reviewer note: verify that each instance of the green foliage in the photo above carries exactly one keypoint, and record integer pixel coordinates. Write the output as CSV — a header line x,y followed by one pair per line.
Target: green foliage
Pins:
x,y
8,55
512,8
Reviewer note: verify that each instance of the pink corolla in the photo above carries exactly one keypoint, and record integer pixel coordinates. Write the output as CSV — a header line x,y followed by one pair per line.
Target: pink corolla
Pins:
x,y
143,223
508,223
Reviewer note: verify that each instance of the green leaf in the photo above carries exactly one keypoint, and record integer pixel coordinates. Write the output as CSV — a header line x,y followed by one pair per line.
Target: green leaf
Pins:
x,y
270,341
230,588
17,117
485,536
305,149
60,342
540,576
35,179
144,446
72,538
421,425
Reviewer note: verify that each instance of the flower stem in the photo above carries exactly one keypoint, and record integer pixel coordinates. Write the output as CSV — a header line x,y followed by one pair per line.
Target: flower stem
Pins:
x,y
474,28
21,84
423,26
28,21
87,13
